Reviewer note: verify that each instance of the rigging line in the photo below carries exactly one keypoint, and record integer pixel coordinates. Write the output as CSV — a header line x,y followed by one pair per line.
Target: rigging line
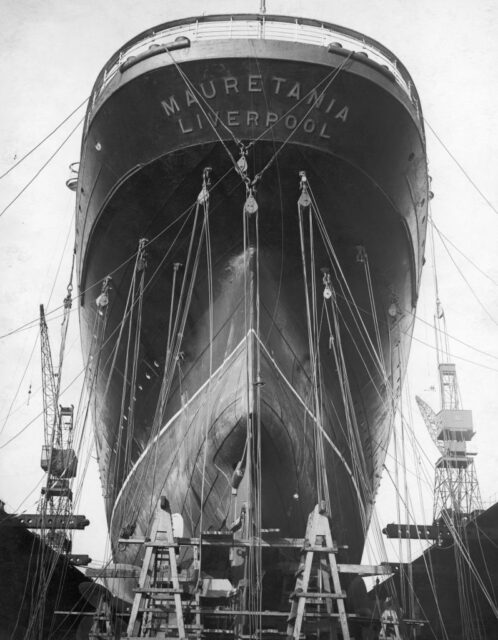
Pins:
x,y
371,296
484,197
190,85
311,347
352,424
35,321
281,210
385,403
449,335
465,279
306,97
466,556
54,282
133,384
455,536
430,574
320,453
481,271
169,364
431,324
35,418
178,334
37,146
44,165
291,134
74,379
208,403
399,444
192,88
10,410
124,389
363,331
328,242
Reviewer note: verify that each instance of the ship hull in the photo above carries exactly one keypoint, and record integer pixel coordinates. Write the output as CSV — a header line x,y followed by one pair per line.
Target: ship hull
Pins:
x,y
359,139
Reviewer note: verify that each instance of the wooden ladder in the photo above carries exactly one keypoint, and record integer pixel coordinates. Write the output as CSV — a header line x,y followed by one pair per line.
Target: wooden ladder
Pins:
x,y
318,540
389,622
151,596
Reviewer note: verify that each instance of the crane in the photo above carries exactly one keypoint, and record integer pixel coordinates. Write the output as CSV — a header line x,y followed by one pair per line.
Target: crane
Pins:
x,y
456,489
58,458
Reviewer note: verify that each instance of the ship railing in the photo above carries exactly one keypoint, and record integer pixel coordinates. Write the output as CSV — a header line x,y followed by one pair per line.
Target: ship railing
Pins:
x,y
283,28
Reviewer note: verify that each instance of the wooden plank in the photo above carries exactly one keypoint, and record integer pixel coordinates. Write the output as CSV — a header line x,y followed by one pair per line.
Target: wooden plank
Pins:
x,y
366,569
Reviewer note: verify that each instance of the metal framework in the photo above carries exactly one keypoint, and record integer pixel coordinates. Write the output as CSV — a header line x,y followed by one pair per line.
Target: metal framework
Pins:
x,y
58,459
456,490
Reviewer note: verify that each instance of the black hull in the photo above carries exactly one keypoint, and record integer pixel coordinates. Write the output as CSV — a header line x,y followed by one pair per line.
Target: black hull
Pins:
x,y
440,576
24,560
361,145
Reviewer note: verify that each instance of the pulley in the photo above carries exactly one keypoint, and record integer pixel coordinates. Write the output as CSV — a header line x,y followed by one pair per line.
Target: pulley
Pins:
x,y
103,299
142,254
327,284
250,206
304,199
203,196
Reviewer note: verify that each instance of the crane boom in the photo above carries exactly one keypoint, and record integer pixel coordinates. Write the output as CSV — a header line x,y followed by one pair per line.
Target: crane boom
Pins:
x,y
50,386
432,422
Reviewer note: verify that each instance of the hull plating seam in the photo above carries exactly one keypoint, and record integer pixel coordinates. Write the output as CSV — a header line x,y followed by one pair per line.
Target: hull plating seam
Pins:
x,y
190,400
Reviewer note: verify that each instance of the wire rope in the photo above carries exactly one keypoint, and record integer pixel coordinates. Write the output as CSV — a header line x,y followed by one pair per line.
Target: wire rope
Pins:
x,y
44,165
39,144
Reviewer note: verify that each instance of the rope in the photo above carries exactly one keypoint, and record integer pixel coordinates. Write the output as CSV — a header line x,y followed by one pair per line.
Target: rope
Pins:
x,y
321,480
45,164
38,145
334,75
480,303
485,198
185,212
481,271
205,205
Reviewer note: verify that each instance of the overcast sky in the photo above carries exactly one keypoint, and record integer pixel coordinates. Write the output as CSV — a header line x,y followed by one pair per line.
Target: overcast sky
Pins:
x,y
51,53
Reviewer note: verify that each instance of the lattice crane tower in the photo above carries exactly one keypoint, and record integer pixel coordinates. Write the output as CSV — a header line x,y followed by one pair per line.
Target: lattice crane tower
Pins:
x,y
456,490
58,458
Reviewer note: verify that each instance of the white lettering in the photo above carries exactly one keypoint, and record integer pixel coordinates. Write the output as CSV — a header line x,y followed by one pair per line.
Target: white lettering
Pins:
x,y
291,121
231,83
322,131
182,127
295,92
211,93
315,99
253,84
343,114
271,118
331,104
278,83
215,118
190,98
171,106
252,118
232,118
309,125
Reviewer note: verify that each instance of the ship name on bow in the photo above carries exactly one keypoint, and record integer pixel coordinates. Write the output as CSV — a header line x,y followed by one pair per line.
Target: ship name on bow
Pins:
x,y
303,105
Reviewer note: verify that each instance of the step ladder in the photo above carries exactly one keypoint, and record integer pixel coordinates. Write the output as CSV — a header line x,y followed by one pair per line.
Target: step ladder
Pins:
x,y
156,604
389,623
318,540
102,627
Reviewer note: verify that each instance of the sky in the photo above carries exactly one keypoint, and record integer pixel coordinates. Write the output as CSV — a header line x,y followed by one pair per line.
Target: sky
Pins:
x,y
51,53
